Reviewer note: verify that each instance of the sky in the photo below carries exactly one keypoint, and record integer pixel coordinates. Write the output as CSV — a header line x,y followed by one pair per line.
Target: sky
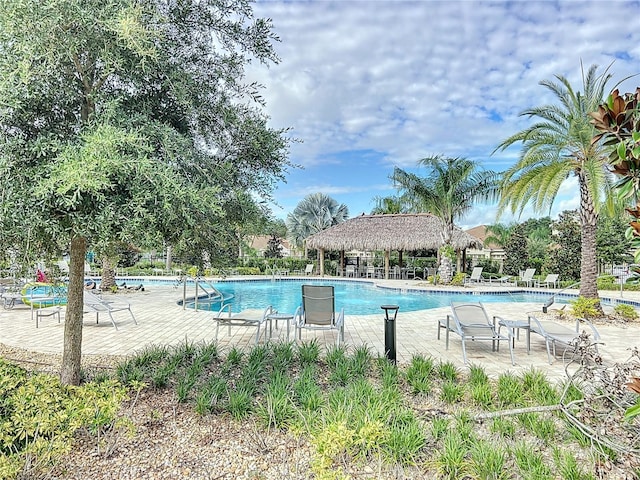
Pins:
x,y
369,85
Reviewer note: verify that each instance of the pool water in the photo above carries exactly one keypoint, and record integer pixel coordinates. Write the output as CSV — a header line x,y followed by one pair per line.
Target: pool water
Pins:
x,y
357,298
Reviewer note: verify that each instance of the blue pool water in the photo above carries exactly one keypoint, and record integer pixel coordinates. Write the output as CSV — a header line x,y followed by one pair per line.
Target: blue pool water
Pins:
x,y
357,298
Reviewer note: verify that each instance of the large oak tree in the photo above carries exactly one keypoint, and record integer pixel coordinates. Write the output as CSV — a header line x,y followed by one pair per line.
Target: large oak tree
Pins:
x,y
129,121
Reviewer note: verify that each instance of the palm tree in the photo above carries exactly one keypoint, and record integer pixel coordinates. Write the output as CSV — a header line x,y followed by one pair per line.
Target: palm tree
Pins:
x,y
498,234
392,204
449,190
314,213
557,145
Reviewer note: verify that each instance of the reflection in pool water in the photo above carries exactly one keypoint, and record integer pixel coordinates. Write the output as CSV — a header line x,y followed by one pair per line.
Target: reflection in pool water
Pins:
x,y
357,298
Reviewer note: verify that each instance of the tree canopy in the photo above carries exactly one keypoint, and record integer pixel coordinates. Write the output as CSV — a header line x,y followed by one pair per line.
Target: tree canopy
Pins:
x,y
128,120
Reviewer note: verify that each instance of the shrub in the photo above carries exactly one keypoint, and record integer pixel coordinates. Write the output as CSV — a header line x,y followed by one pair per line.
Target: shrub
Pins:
x,y
626,311
458,279
585,307
39,417
606,282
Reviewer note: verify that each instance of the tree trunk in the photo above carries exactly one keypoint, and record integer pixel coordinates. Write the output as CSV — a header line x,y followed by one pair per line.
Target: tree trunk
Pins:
x,y
446,270
108,279
588,262
72,353
167,265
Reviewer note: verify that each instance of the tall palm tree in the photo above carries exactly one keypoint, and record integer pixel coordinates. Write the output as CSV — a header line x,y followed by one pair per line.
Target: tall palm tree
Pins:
x,y
391,204
314,213
450,189
559,144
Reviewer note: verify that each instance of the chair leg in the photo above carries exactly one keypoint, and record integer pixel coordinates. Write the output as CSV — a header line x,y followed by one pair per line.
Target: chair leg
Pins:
x,y
258,334
513,360
464,352
113,321
548,351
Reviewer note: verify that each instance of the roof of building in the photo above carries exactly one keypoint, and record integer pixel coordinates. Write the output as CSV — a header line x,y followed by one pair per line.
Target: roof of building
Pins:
x,y
389,232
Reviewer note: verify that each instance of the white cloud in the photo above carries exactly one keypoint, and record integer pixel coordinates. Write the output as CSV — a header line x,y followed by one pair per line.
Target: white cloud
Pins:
x,y
411,79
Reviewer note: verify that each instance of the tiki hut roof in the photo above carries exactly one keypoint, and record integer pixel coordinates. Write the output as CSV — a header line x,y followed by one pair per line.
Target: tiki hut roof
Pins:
x,y
389,232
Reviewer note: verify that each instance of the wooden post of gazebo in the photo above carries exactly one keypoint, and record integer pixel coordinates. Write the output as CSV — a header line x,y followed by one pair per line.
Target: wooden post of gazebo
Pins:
x,y
387,254
321,252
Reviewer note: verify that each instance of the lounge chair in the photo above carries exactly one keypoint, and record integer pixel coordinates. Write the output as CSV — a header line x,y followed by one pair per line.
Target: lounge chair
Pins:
x,y
471,321
527,276
476,276
350,271
554,333
245,318
309,269
504,280
550,281
317,311
93,303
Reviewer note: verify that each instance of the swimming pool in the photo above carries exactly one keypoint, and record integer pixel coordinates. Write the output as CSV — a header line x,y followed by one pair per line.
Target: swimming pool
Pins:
x,y
357,298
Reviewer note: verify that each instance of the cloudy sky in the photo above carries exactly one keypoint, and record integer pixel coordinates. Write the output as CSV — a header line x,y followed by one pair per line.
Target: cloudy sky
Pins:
x,y
369,85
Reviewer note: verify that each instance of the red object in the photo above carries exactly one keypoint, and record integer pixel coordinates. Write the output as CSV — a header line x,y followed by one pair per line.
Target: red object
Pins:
x,y
41,277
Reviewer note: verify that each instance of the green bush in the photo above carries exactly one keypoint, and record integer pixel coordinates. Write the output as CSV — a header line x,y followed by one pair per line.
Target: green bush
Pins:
x,y
39,416
458,279
248,271
606,282
626,311
585,307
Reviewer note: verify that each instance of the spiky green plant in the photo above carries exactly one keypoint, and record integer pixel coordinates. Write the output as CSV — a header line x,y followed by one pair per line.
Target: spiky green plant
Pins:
x,y
452,392
308,352
488,461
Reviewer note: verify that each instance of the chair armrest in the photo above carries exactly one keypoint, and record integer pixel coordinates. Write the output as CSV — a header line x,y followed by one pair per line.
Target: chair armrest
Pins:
x,y
267,311
220,314
340,318
535,325
297,316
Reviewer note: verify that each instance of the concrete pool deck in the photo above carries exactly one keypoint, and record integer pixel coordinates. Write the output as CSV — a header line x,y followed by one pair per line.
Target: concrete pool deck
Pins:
x,y
161,321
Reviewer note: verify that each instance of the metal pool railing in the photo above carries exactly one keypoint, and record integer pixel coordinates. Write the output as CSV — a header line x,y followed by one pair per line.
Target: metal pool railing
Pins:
x,y
204,291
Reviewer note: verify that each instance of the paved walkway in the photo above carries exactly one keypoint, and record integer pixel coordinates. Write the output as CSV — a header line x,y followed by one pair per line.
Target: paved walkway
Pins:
x,y
162,321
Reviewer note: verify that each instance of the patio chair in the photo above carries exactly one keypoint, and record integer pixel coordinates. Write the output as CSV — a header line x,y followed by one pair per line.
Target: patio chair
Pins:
x,y
395,272
245,318
549,281
93,303
554,333
476,276
350,271
317,311
527,276
371,271
471,321
309,269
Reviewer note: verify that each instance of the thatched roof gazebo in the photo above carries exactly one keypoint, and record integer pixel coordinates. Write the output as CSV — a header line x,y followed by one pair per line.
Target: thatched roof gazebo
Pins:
x,y
410,231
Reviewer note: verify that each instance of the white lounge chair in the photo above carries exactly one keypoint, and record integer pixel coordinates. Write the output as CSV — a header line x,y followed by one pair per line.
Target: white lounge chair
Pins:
x,y
93,303
245,318
476,276
471,321
350,271
317,311
527,276
551,280
554,333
